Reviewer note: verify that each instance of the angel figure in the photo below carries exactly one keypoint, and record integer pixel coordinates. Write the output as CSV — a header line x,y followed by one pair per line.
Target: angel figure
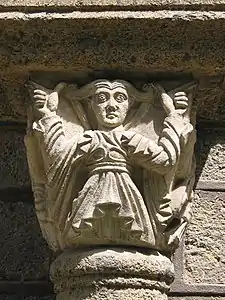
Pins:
x,y
108,167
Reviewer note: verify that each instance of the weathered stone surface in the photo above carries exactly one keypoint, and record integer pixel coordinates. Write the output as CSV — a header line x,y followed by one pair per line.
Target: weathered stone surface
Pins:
x,y
204,258
16,297
24,254
92,41
28,46
71,44
13,167
101,40
55,4
210,97
111,273
210,155
197,298
12,98
113,4
108,37
20,297
52,297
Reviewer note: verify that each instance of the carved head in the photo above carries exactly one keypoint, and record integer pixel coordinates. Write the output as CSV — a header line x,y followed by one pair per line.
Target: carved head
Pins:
x,y
110,103
109,100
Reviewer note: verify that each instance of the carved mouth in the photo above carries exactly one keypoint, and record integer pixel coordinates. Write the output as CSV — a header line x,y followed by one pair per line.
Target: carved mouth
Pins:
x,y
111,115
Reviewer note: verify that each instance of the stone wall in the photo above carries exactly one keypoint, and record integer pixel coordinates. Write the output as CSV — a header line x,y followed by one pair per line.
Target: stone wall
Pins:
x,y
139,40
200,259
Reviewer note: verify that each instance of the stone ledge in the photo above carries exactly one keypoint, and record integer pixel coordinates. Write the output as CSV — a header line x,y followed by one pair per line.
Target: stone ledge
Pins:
x,y
196,297
85,41
152,15
54,5
210,185
144,44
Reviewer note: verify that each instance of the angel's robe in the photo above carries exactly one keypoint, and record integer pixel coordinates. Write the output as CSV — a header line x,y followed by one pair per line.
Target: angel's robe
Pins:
x,y
109,208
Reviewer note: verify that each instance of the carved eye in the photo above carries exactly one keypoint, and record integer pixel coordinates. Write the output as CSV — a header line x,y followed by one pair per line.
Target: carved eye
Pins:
x,y
101,97
120,97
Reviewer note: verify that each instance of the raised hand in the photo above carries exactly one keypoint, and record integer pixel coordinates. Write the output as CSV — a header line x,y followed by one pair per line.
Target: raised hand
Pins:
x,y
178,103
167,101
180,100
46,103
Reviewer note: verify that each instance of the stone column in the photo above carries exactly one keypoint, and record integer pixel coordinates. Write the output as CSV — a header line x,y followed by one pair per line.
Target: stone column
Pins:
x,y
112,273
112,174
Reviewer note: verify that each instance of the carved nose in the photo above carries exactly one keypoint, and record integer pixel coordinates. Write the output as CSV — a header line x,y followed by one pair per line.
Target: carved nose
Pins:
x,y
112,103
111,108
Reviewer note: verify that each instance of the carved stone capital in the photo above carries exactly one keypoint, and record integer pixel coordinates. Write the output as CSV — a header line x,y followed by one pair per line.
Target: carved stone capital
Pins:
x,y
112,165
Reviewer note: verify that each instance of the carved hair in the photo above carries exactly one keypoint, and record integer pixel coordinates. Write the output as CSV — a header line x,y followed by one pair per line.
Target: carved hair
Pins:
x,y
88,90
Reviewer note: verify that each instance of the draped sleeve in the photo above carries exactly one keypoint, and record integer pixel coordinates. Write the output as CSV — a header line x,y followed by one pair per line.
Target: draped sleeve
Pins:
x,y
50,134
62,159
159,157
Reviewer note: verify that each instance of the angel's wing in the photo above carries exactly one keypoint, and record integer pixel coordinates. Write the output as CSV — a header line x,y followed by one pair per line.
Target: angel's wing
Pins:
x,y
167,196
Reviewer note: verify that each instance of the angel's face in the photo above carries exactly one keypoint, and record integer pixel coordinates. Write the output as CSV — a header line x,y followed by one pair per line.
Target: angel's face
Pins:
x,y
110,106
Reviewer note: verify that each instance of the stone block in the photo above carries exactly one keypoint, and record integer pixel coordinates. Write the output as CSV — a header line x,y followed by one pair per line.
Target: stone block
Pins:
x,y
12,98
58,4
197,298
102,40
210,155
50,297
20,297
170,4
112,4
204,258
13,167
210,97
23,252
143,43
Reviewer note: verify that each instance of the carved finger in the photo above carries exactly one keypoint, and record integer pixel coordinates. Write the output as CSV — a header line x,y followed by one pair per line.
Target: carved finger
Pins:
x,y
187,113
167,101
181,104
40,92
180,94
40,97
181,101
39,104
181,98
